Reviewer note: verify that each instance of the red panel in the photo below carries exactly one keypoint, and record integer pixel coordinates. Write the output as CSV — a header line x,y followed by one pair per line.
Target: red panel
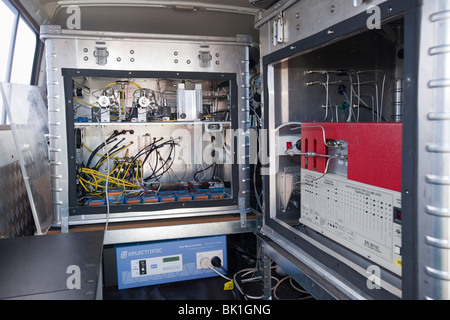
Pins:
x,y
374,150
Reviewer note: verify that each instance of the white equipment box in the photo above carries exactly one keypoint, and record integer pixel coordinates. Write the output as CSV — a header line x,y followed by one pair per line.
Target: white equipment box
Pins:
x,y
363,218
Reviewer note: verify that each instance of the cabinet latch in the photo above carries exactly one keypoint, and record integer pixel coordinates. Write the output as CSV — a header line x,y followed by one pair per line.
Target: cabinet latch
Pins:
x,y
101,53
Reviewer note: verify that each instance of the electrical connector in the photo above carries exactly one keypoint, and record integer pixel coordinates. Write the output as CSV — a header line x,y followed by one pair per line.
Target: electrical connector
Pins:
x,y
216,262
205,263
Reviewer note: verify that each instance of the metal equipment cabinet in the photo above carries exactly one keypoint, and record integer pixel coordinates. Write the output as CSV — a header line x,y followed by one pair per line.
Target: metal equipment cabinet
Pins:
x,y
172,112
356,184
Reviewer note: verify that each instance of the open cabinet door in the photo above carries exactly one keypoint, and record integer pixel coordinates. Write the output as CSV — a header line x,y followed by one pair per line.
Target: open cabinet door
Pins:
x,y
340,115
27,114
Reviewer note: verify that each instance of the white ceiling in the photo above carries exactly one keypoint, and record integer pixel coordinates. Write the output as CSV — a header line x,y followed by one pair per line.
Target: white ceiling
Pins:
x,y
185,17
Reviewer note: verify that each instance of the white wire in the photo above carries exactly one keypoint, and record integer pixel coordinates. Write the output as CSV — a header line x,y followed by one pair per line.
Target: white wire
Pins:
x,y
376,98
252,279
350,109
223,276
323,175
256,115
358,95
290,281
382,97
381,105
337,115
326,85
201,161
373,104
327,95
107,175
287,124
297,289
323,131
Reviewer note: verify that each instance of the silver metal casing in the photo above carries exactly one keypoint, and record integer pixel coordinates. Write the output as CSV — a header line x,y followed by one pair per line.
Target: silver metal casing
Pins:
x,y
134,53
290,29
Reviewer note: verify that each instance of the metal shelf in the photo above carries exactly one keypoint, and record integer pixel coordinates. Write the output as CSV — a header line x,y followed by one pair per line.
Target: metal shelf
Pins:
x,y
165,123
166,229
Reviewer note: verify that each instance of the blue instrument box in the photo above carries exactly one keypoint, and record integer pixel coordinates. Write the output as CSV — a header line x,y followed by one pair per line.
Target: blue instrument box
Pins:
x,y
160,262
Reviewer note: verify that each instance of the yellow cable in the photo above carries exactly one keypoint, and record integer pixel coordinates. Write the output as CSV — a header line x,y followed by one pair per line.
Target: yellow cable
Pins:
x,y
131,82
102,155
140,88
88,104
123,101
103,177
137,172
113,154
120,169
84,187
94,184
87,182
113,169
126,172
91,105
113,181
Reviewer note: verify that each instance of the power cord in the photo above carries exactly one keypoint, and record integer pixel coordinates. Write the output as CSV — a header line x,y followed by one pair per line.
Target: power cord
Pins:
x,y
216,262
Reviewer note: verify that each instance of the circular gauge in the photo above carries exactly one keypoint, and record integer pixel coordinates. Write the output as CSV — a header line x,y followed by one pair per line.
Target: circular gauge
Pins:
x,y
144,102
104,101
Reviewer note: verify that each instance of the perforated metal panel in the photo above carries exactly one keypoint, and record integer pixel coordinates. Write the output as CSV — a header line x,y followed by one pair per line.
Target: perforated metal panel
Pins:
x,y
15,212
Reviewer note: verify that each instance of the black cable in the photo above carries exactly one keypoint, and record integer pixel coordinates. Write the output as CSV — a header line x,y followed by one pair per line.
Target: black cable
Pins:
x,y
154,147
97,166
213,176
153,175
374,111
217,262
203,170
147,148
108,141
170,157
157,160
